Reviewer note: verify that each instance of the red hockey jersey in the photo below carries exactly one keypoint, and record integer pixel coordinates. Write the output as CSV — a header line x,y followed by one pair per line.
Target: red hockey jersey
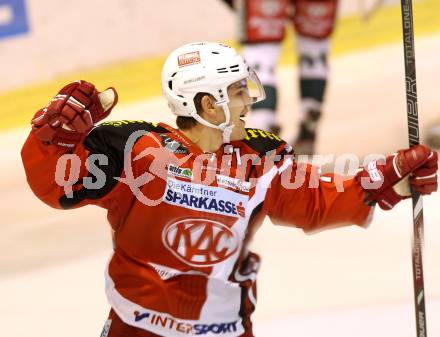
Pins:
x,y
182,219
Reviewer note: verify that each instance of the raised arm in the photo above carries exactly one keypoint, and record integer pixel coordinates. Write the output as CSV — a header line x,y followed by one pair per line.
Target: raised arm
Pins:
x,y
317,202
54,155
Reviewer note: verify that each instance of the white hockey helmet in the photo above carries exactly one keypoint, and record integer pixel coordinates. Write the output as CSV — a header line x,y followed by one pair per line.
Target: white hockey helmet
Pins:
x,y
209,68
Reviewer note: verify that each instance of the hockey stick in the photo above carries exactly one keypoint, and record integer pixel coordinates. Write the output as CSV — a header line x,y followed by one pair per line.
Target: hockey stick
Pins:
x,y
413,134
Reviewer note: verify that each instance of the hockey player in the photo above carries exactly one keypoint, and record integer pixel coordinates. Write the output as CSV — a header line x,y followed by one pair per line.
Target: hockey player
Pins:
x,y
184,203
262,25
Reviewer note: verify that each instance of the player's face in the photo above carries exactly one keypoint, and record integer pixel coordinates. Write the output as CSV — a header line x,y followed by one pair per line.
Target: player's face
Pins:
x,y
239,106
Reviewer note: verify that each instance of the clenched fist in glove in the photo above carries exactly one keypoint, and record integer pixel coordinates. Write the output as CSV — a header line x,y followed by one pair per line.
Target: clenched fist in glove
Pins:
x,y
72,113
389,182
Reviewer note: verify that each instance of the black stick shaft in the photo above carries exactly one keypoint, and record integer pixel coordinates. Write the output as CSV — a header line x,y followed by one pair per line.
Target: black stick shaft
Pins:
x,y
413,134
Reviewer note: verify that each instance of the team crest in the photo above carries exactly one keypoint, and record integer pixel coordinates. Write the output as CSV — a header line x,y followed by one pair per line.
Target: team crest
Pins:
x,y
200,242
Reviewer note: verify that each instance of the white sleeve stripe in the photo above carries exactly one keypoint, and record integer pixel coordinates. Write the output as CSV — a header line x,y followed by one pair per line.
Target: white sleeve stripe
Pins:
x,y
261,189
263,185
288,162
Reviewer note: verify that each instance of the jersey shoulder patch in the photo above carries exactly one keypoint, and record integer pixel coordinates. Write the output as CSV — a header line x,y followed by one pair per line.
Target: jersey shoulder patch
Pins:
x,y
116,133
264,141
109,140
128,126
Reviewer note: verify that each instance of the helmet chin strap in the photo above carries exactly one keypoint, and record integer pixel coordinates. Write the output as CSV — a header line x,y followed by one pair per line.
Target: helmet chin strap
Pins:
x,y
225,127
226,131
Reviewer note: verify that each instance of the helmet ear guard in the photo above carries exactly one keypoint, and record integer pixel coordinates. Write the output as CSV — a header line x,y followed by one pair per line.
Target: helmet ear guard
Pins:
x,y
206,67
178,104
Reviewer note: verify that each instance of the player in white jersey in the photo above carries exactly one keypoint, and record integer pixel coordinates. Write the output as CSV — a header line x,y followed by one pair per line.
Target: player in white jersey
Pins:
x,y
262,28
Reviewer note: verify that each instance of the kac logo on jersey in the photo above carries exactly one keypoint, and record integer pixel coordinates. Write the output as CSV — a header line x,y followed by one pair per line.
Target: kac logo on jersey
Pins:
x,y
205,198
200,242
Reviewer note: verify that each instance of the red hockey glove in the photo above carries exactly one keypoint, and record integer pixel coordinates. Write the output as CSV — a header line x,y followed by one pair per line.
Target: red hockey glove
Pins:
x,y
389,182
72,113
425,180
